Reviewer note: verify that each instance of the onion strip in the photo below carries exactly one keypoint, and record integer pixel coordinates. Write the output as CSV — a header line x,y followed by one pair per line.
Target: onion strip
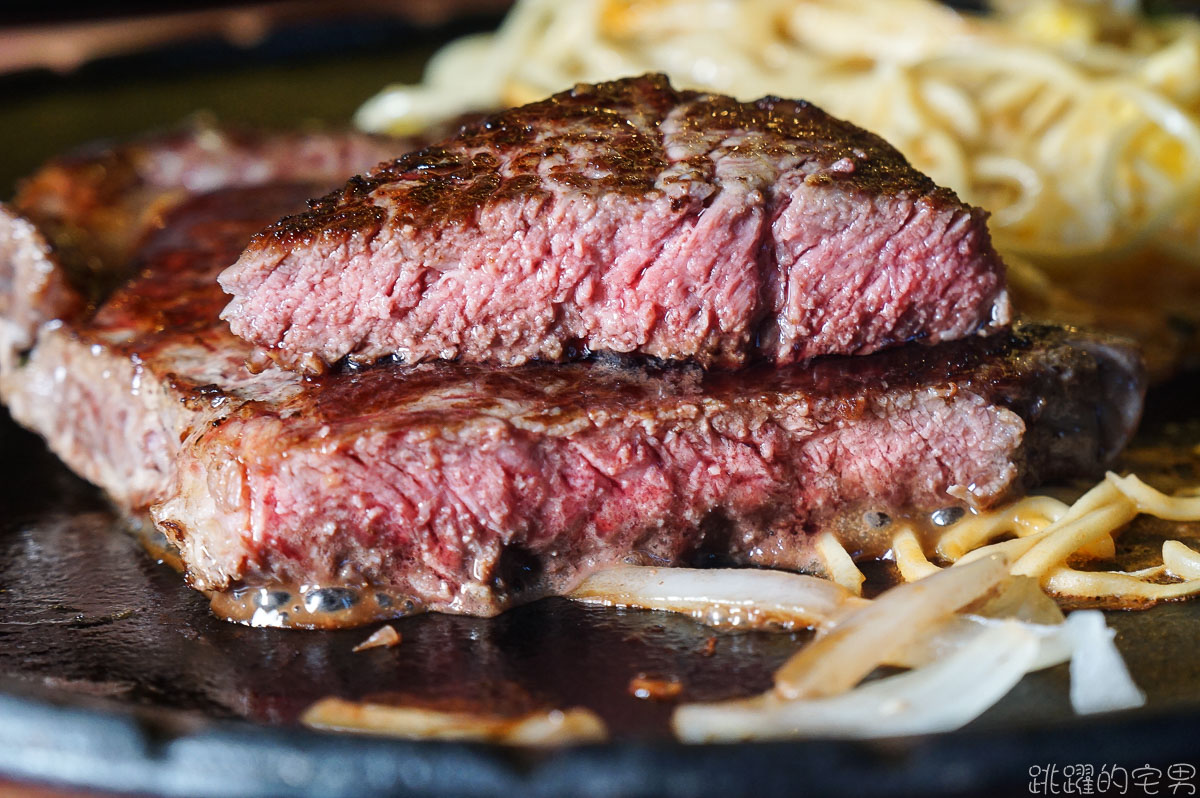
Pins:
x,y
1060,540
1181,560
976,676
857,645
910,556
722,597
839,565
1031,514
551,727
1154,502
1113,588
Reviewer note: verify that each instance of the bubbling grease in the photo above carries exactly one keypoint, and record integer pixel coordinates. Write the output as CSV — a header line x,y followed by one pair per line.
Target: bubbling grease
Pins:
x,y
310,606
283,605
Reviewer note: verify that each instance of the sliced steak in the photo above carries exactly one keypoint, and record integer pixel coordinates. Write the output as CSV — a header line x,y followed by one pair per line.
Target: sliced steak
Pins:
x,y
625,217
73,233
467,488
94,206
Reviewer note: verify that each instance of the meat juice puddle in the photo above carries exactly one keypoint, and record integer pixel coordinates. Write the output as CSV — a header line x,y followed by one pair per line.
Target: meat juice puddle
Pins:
x,y
309,606
287,606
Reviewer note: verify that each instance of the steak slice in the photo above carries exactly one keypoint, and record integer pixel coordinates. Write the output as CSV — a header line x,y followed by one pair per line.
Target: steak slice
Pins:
x,y
91,208
467,488
75,231
625,217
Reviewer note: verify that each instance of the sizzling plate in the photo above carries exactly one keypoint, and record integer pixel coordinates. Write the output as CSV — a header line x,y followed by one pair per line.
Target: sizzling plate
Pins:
x,y
114,675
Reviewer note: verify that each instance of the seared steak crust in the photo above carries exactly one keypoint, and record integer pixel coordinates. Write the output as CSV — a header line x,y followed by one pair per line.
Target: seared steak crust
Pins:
x,y
625,217
96,204
470,488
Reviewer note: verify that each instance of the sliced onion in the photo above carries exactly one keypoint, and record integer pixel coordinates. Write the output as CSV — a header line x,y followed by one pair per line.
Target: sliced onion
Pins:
x,y
938,697
839,659
1020,598
1100,682
1065,537
552,727
1011,550
1099,547
719,597
910,556
1029,515
1054,646
839,565
1115,589
1181,560
1154,502
1100,495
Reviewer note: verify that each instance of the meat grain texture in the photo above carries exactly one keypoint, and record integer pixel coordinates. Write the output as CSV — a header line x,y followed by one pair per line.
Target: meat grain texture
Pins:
x,y
469,488
625,217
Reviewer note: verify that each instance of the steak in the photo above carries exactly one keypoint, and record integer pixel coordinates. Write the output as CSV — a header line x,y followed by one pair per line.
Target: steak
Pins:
x,y
468,488
69,238
625,217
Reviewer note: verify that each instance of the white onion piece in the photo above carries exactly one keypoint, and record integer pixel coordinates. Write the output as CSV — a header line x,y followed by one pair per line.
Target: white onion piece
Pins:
x,y
1020,598
1100,682
938,697
723,597
1054,645
839,659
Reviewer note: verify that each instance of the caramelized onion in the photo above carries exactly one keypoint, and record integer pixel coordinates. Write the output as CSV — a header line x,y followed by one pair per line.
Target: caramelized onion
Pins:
x,y
839,565
536,728
1154,502
1115,590
910,557
1065,537
1021,518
